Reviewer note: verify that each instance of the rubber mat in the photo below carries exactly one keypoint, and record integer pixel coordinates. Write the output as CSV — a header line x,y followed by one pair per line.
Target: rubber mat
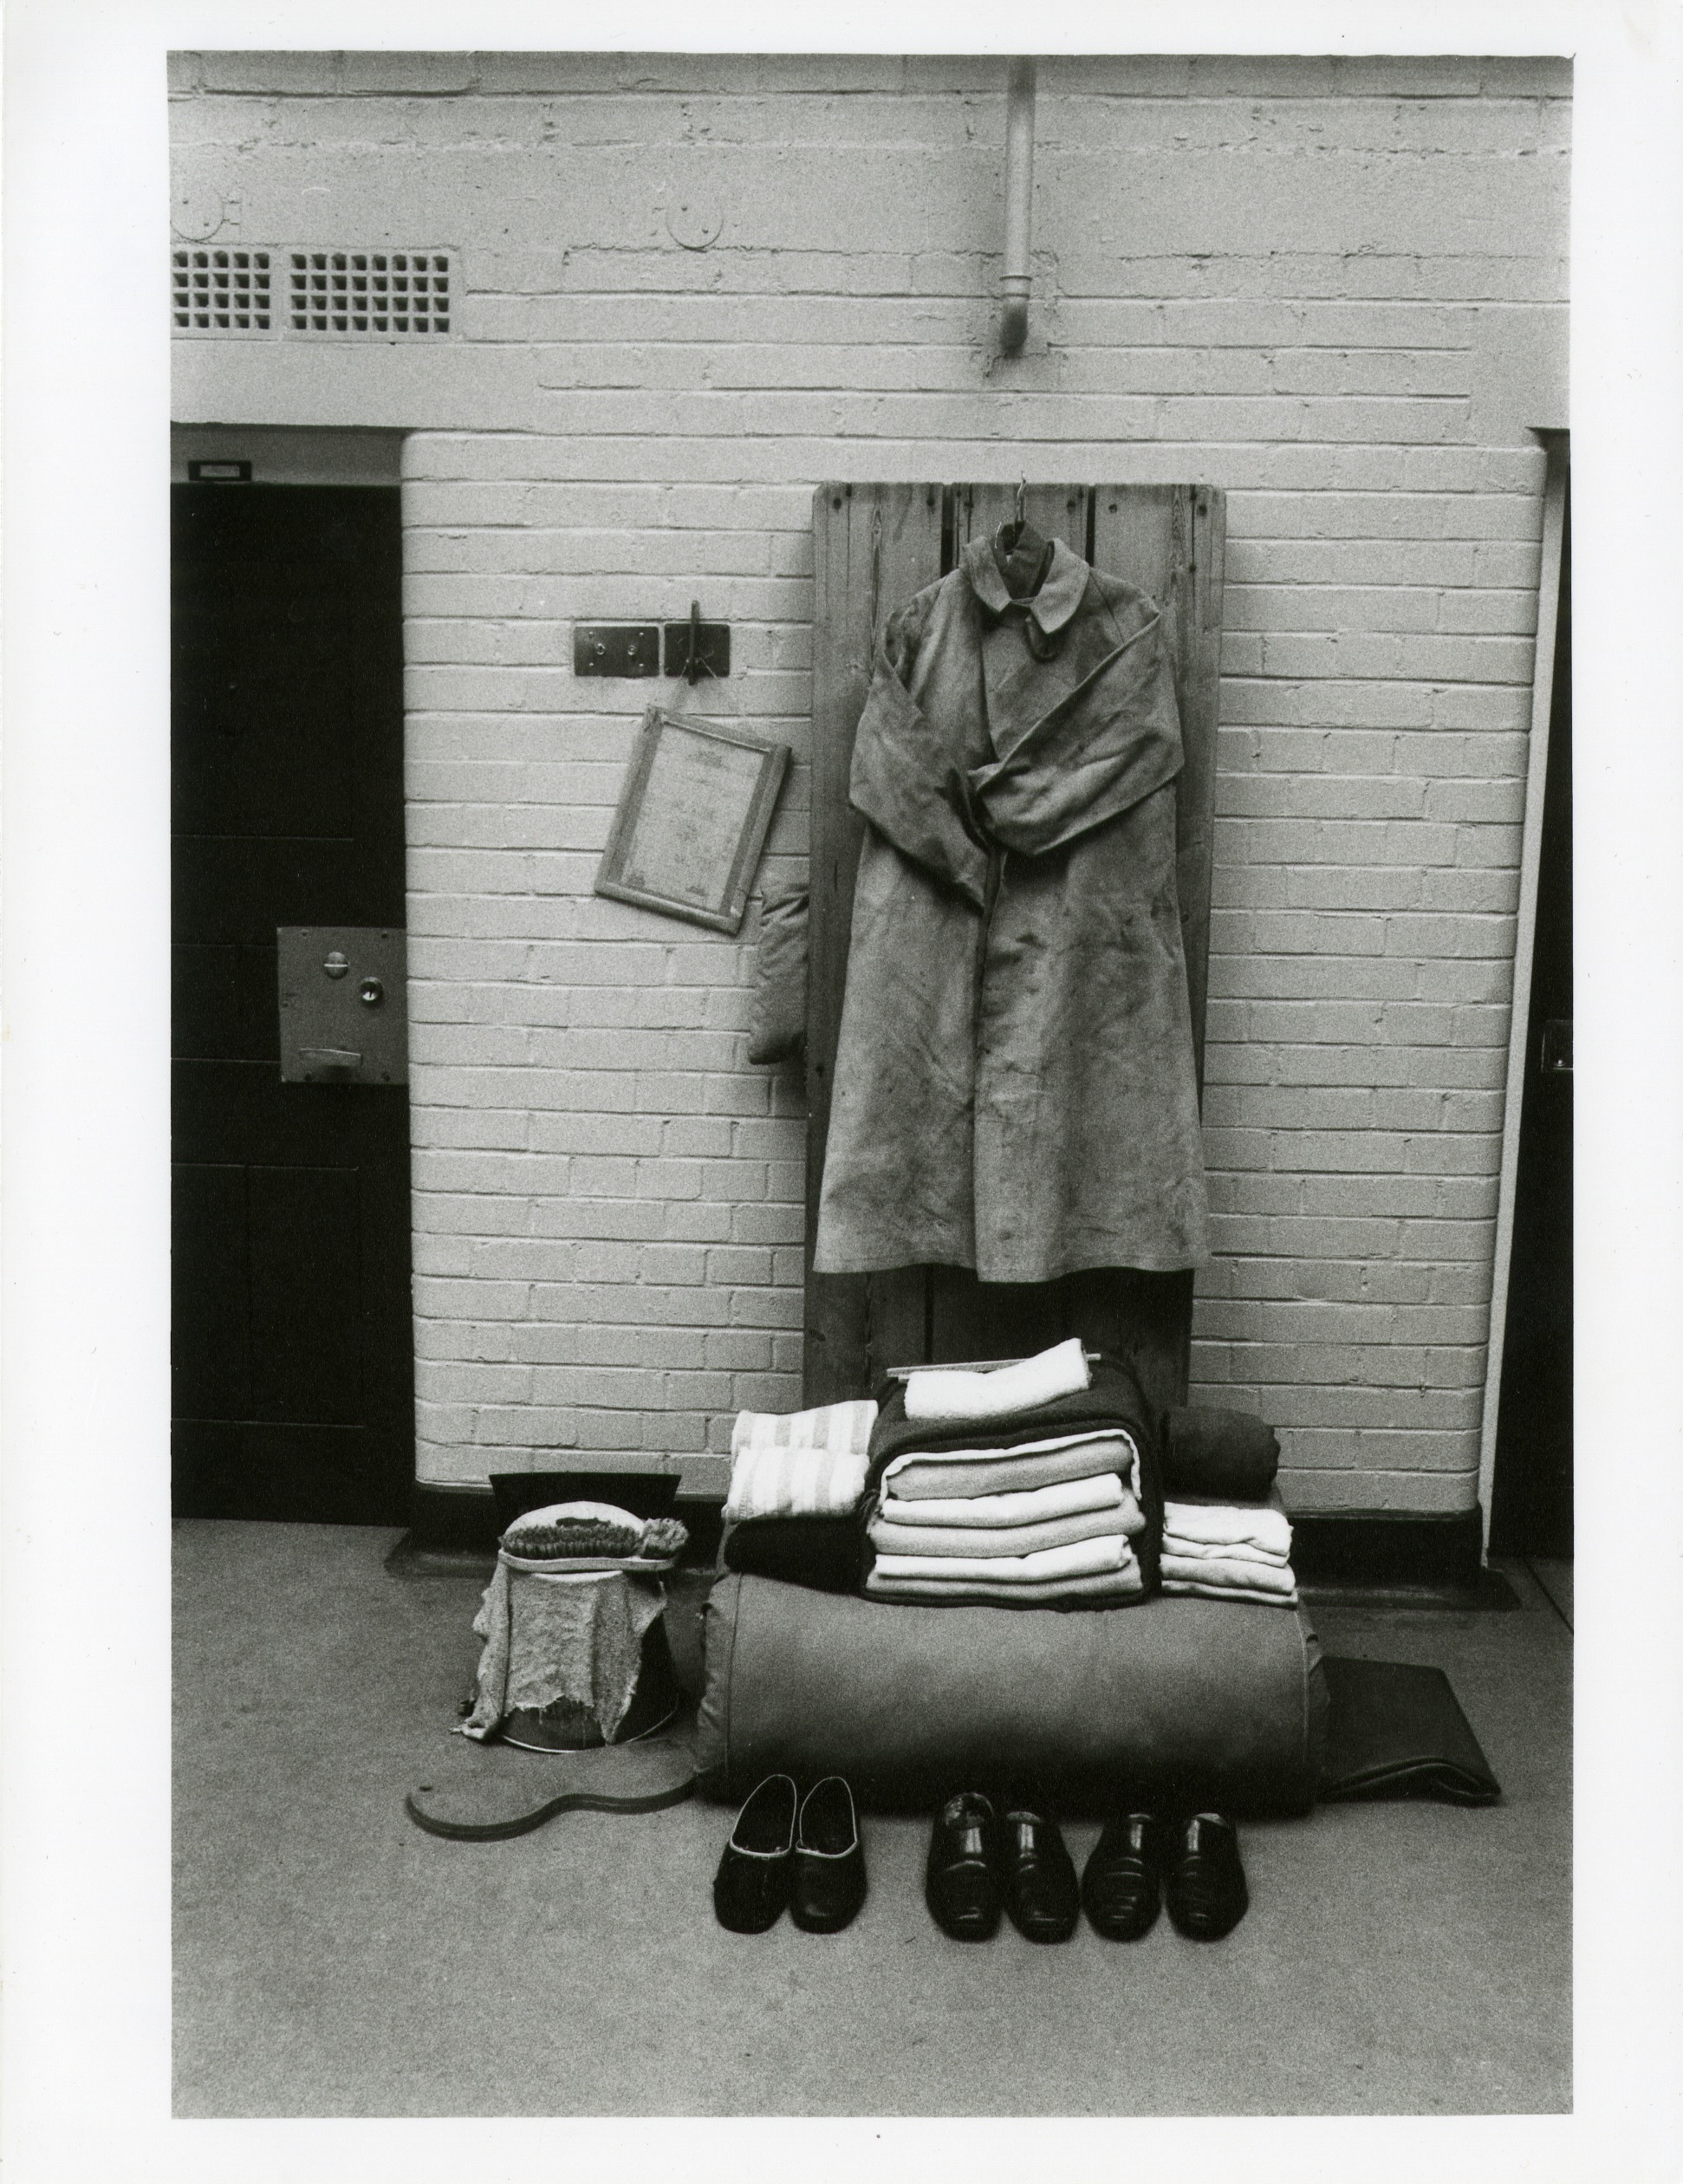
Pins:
x,y
1397,1731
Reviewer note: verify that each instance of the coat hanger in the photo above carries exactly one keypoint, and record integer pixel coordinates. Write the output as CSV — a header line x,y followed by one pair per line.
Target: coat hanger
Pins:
x,y
1020,550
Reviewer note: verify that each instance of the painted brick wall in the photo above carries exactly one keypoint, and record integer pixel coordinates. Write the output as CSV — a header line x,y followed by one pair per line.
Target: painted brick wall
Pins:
x,y
1334,289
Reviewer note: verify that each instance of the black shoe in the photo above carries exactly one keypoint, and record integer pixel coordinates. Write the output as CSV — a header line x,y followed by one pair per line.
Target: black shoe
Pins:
x,y
961,1880
1203,1880
1042,1893
1121,1889
829,1860
751,1886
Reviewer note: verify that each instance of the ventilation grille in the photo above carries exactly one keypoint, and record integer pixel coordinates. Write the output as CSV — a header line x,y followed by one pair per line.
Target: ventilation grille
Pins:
x,y
373,294
323,296
220,291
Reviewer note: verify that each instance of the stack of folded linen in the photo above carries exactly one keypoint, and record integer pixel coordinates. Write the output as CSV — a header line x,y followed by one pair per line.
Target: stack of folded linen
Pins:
x,y
1228,1552
1050,1506
796,1484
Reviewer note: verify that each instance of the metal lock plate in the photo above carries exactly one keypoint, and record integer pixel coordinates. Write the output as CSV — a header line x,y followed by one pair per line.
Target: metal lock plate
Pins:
x,y
616,648
344,1014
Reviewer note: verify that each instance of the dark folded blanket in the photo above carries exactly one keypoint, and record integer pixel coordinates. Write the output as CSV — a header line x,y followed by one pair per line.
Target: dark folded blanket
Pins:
x,y
1221,1455
1113,1398
1397,1731
826,1554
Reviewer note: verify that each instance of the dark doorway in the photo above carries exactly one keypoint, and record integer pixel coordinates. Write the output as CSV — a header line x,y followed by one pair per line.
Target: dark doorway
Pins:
x,y
293,1372
1532,1490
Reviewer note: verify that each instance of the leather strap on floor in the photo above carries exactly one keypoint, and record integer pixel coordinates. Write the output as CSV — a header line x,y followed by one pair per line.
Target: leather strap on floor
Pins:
x,y
486,1794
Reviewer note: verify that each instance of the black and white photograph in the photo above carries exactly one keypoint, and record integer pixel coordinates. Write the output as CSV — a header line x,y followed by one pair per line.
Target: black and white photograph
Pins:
x,y
813,1328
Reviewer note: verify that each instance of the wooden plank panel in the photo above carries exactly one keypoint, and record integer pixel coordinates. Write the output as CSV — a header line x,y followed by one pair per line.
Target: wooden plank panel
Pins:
x,y
872,547
1169,542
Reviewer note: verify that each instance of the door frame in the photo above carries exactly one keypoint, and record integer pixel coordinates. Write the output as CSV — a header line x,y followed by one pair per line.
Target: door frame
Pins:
x,y
1558,446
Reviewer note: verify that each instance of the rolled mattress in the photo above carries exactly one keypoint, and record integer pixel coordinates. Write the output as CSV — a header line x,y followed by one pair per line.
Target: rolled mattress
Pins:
x,y
1175,1699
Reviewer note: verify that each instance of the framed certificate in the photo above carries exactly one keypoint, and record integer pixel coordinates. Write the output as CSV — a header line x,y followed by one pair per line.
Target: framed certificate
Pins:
x,y
691,820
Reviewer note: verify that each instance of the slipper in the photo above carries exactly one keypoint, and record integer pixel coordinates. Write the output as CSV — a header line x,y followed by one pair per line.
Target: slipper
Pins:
x,y
486,1793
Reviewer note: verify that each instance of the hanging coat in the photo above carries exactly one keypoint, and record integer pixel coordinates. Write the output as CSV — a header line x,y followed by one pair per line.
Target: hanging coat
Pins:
x,y
1015,1087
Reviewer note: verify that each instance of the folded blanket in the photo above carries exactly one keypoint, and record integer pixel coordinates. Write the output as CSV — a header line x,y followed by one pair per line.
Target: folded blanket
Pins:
x,y
1236,1576
1232,1592
1107,1587
973,1541
1005,1392
1228,1454
962,1474
1222,1526
1068,1498
808,1464
1085,1558
942,1457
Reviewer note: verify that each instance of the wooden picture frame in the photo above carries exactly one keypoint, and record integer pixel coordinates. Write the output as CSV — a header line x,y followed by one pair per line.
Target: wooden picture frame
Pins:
x,y
691,820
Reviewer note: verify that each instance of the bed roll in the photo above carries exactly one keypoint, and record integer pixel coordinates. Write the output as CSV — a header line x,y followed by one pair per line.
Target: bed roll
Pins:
x,y
1213,1701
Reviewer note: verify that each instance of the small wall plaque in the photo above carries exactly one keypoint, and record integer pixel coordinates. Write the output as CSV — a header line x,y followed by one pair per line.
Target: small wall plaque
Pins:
x,y
693,818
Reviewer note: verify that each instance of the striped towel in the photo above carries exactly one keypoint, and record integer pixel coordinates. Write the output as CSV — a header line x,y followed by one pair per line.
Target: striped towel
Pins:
x,y
809,1463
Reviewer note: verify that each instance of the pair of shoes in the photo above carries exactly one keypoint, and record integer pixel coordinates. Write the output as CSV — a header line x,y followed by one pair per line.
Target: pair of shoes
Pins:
x,y
981,1862
1192,1864
788,1852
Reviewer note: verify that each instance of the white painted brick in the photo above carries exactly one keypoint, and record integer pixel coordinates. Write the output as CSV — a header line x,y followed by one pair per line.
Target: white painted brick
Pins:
x,y
607,1194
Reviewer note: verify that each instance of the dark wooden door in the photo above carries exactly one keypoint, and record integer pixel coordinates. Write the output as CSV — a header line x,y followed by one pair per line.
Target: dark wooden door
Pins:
x,y
293,1374
1531,1504
874,546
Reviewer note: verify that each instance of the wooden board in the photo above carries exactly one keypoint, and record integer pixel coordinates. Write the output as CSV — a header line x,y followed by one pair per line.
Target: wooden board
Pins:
x,y
874,546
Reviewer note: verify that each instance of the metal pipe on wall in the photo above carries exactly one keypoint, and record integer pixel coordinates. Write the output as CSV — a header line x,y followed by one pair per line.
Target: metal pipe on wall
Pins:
x,y
1019,201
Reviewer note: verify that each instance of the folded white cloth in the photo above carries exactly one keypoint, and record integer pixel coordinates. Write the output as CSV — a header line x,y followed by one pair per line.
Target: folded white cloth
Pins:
x,y
1240,1551
974,1541
1068,1498
1232,1592
809,1463
1111,1584
1003,1393
1085,1558
1227,1525
925,1474
1236,1576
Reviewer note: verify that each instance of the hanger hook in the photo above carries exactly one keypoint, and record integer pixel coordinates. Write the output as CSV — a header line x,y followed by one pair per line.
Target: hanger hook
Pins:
x,y
1022,490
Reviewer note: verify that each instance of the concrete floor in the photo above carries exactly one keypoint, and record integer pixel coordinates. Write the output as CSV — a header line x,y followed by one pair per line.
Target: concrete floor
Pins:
x,y
332,1960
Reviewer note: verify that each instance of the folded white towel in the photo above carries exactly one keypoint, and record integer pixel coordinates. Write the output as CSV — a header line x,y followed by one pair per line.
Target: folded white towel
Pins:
x,y
1231,1592
809,1464
1224,1526
1239,1551
1236,1576
1005,1391
1086,1557
1039,1504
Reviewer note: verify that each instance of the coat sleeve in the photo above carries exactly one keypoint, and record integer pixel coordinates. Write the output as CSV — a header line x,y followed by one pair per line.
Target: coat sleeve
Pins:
x,y
903,782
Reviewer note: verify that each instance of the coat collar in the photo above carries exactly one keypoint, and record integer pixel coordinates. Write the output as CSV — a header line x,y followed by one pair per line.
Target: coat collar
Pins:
x,y
1052,606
